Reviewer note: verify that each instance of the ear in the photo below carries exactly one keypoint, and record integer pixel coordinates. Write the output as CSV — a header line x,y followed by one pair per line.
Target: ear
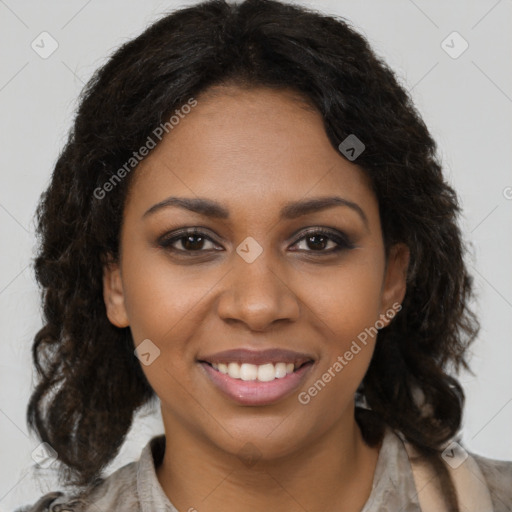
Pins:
x,y
395,282
113,294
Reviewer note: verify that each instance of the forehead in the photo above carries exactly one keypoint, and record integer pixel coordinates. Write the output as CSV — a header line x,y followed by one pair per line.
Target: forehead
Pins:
x,y
251,144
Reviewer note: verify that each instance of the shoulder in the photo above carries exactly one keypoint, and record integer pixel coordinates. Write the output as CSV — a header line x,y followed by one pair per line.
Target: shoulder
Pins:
x,y
498,476
122,490
116,492
480,473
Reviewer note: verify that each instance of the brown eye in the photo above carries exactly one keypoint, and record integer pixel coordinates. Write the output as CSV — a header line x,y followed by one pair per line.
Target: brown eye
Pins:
x,y
319,239
192,242
187,241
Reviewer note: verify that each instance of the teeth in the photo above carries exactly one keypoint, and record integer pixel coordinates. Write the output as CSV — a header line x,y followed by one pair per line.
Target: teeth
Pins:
x,y
263,373
234,370
249,371
281,370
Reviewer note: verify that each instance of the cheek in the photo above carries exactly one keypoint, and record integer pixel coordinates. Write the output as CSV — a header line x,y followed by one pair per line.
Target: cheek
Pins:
x,y
347,300
349,344
161,298
165,304
347,303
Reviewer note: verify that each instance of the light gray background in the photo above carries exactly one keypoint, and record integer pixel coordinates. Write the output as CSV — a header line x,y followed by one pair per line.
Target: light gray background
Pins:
x,y
466,102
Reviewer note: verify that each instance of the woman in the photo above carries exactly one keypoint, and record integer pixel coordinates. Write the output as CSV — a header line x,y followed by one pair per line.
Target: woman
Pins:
x,y
249,222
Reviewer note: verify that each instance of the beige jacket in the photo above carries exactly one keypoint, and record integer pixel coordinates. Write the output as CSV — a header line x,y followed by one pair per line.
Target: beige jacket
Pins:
x,y
135,487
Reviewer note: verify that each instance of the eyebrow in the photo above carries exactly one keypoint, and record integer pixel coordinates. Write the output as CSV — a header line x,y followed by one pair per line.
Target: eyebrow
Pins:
x,y
292,210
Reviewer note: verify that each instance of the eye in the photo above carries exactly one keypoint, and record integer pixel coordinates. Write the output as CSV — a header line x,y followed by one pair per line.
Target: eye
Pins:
x,y
190,240
318,239
193,240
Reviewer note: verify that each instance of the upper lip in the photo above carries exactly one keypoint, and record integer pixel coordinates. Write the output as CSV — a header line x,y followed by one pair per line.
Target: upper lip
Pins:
x,y
257,357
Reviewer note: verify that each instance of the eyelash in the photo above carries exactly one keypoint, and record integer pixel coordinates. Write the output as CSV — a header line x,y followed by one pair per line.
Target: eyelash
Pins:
x,y
342,241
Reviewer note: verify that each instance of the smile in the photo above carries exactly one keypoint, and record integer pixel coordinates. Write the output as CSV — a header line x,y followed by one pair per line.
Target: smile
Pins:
x,y
248,372
256,377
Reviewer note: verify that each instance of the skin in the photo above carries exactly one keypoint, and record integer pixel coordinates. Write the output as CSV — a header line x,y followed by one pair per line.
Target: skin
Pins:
x,y
254,150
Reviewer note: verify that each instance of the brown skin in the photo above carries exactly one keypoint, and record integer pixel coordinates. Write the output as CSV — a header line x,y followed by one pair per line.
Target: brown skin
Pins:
x,y
253,150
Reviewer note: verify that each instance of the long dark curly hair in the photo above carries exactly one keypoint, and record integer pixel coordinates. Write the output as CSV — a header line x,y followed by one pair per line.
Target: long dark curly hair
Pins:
x,y
89,381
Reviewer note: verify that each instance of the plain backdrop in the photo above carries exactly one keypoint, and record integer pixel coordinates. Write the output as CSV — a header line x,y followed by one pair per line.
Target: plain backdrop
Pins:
x,y
466,100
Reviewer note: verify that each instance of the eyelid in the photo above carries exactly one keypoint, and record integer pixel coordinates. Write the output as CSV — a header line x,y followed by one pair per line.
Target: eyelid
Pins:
x,y
175,235
341,239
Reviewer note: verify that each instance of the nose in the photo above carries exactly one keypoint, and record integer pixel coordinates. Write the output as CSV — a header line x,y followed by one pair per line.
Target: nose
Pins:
x,y
257,294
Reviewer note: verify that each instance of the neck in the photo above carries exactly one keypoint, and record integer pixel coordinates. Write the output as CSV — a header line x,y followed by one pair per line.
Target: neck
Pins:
x,y
334,473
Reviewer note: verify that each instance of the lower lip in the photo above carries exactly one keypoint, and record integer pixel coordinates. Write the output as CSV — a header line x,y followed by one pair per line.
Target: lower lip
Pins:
x,y
254,392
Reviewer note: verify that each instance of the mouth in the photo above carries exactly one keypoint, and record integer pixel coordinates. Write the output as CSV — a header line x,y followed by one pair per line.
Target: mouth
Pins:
x,y
256,377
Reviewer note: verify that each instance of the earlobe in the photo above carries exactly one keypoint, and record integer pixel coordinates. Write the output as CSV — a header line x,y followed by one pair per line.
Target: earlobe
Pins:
x,y
395,281
113,295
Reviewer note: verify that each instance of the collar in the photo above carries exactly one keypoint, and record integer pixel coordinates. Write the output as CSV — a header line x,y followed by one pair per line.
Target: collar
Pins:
x,y
151,494
393,483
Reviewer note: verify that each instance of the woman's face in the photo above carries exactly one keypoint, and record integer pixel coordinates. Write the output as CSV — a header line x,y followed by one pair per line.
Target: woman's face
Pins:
x,y
257,292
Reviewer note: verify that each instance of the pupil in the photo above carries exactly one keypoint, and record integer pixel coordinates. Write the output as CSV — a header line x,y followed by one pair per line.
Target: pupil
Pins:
x,y
189,244
311,238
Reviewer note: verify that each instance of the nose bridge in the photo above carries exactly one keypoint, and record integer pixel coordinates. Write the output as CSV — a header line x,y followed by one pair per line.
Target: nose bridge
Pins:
x,y
257,294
